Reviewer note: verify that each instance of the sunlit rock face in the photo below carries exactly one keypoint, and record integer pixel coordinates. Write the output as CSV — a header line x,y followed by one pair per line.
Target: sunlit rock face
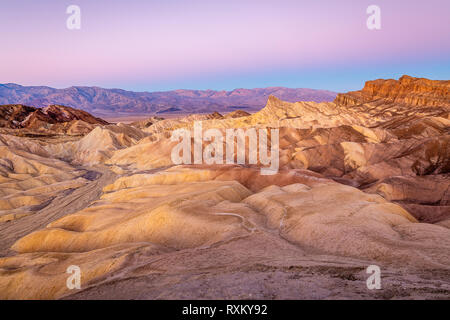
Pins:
x,y
418,92
362,180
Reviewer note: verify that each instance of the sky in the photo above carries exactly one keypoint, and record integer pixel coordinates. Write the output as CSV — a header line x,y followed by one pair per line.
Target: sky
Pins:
x,y
147,45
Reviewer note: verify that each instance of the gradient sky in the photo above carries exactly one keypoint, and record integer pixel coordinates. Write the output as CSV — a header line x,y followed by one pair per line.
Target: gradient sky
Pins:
x,y
146,45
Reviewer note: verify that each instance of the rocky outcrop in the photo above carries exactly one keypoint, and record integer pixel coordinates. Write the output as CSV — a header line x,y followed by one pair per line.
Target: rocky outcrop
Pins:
x,y
362,180
417,92
59,114
51,119
12,116
142,124
237,114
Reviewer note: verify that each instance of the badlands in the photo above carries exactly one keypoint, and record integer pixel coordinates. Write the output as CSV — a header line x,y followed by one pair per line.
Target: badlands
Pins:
x,y
363,180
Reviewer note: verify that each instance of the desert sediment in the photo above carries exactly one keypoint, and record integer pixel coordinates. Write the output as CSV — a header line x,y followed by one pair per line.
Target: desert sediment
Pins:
x,y
362,180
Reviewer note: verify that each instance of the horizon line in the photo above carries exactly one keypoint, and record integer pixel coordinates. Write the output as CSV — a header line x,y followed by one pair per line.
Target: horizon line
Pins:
x,y
214,90
157,91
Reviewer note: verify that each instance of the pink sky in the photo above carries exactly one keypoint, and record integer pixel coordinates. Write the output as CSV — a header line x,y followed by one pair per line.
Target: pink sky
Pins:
x,y
158,45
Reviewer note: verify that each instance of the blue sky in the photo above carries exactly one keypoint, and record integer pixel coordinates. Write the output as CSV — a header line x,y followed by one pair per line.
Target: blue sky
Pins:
x,y
209,44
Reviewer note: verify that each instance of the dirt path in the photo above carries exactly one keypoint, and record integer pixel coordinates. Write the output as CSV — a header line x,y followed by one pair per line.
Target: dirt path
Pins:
x,y
60,206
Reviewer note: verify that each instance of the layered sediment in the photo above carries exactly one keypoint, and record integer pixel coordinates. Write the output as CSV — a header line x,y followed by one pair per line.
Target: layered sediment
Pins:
x,y
362,180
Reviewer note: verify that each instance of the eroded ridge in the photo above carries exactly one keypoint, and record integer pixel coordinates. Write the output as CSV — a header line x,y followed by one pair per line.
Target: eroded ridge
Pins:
x,y
362,180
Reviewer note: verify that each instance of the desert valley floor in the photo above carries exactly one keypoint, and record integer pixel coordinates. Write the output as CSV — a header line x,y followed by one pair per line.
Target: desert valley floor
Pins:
x,y
363,180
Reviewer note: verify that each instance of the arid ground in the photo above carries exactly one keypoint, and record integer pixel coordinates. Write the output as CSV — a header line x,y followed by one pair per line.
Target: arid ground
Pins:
x,y
363,180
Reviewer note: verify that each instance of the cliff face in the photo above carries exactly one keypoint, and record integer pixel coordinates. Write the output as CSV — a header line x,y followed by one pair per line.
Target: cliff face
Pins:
x,y
406,90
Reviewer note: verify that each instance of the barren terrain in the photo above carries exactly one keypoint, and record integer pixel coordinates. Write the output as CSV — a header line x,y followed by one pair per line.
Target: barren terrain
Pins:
x,y
362,180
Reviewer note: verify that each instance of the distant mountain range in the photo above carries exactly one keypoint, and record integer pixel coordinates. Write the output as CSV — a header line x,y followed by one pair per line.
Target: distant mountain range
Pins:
x,y
102,101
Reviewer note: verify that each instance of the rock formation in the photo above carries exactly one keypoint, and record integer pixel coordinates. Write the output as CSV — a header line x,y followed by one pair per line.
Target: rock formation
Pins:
x,y
362,180
50,119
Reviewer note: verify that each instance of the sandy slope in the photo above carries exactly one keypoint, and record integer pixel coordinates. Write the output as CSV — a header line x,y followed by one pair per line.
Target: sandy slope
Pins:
x,y
363,180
